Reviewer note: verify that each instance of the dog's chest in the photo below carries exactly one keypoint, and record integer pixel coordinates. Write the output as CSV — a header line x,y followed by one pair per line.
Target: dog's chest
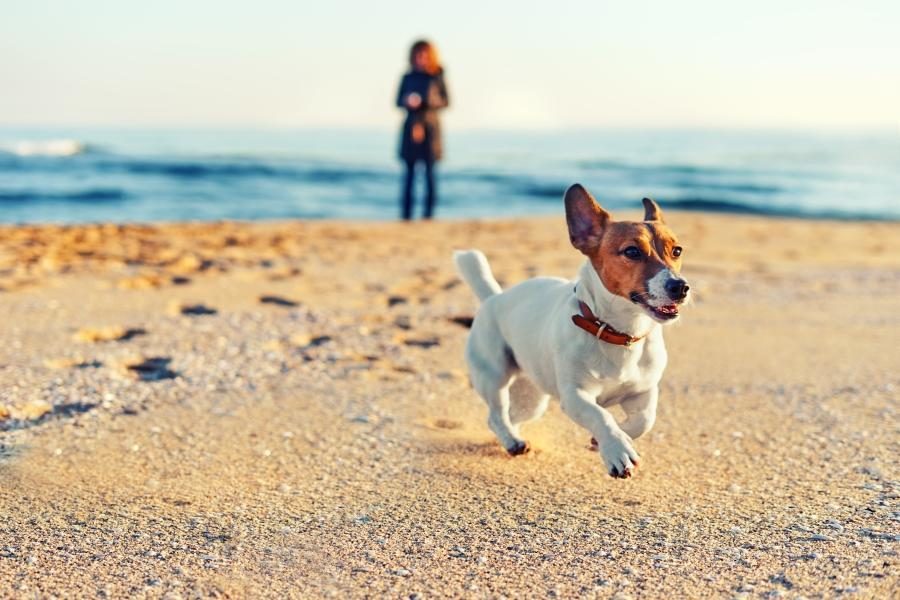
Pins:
x,y
614,374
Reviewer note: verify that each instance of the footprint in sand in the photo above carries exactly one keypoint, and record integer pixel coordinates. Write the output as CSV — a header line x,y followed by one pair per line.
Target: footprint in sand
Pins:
x,y
142,282
71,363
31,411
278,301
177,308
462,320
396,300
403,322
283,273
304,340
426,343
149,369
34,411
113,333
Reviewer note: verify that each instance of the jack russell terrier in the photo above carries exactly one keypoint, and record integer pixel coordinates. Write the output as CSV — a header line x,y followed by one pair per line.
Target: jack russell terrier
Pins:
x,y
593,343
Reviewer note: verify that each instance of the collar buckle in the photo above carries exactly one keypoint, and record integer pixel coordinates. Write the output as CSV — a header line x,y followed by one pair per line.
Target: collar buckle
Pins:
x,y
601,330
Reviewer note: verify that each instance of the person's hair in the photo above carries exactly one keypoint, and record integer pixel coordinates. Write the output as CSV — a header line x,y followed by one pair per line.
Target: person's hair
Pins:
x,y
433,64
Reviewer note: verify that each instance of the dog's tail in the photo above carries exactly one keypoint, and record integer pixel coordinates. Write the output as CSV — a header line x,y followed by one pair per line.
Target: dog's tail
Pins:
x,y
473,267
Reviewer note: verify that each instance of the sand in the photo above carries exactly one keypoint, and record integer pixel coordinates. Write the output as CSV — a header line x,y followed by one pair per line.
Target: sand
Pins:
x,y
282,410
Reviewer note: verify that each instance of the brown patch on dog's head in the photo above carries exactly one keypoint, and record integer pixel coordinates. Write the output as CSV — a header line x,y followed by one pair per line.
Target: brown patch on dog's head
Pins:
x,y
626,255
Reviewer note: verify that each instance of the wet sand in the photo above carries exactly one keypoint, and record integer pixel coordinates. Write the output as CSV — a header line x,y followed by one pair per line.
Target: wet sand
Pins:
x,y
281,409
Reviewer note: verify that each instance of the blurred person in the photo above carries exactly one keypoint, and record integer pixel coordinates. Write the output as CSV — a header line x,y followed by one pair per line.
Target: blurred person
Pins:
x,y
422,92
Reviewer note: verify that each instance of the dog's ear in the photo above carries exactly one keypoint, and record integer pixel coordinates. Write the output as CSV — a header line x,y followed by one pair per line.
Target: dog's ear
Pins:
x,y
652,211
585,218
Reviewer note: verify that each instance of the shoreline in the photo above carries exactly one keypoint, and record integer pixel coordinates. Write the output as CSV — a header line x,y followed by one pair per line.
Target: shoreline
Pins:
x,y
687,207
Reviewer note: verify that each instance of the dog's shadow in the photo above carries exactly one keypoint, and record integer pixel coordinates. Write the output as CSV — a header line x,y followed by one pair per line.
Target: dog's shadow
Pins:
x,y
459,437
459,447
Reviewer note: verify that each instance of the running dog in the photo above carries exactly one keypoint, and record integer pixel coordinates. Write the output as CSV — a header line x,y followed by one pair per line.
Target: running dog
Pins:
x,y
593,343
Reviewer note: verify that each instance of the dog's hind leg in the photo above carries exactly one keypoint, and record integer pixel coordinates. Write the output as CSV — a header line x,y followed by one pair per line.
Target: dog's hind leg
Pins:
x,y
526,401
494,388
491,370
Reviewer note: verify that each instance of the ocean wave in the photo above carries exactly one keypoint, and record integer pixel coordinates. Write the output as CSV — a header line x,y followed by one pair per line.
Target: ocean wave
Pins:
x,y
542,190
52,148
746,208
662,168
738,186
80,196
214,169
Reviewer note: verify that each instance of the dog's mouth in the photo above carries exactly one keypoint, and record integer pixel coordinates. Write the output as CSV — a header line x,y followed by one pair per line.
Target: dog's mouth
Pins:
x,y
665,312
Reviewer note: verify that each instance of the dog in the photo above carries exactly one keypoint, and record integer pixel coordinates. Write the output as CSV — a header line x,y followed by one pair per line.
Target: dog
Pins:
x,y
593,343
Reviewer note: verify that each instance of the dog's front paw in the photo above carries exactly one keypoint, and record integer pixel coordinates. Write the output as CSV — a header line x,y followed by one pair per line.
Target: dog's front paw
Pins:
x,y
619,456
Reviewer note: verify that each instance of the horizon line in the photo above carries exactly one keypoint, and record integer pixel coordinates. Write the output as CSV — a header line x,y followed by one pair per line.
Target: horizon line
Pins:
x,y
331,128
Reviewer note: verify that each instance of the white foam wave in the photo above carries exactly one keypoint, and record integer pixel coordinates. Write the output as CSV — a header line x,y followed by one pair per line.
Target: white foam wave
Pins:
x,y
45,148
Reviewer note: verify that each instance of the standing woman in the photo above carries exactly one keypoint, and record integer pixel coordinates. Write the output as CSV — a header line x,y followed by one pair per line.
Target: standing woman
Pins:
x,y
422,92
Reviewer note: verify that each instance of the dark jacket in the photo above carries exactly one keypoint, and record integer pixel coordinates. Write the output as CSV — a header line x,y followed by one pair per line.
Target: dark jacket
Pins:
x,y
433,91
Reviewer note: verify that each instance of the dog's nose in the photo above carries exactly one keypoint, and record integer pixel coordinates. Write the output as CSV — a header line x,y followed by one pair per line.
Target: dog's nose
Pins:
x,y
677,289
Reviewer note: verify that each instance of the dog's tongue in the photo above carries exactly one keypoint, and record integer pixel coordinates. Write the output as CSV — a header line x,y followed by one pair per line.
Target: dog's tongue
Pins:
x,y
669,309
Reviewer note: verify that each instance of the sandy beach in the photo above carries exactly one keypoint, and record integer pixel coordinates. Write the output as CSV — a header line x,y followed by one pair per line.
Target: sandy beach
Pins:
x,y
281,409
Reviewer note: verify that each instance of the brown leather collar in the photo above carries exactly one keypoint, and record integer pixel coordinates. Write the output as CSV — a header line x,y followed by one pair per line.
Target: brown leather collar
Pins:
x,y
601,330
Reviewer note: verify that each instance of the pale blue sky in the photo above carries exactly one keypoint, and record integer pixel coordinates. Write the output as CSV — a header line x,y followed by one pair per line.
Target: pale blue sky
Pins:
x,y
535,65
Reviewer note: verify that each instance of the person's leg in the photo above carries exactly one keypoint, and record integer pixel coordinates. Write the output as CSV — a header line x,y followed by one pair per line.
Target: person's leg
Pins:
x,y
406,201
431,192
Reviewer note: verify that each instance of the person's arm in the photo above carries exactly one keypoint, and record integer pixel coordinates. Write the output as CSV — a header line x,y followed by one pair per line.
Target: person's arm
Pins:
x,y
406,97
437,94
401,93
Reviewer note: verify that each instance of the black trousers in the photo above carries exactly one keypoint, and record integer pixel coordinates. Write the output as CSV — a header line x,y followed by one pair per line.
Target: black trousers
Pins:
x,y
406,202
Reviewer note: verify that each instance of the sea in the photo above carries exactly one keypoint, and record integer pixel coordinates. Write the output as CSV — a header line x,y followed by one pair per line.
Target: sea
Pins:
x,y
66,175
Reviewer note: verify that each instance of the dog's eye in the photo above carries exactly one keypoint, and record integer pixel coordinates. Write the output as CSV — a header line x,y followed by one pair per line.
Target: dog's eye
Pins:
x,y
633,252
676,251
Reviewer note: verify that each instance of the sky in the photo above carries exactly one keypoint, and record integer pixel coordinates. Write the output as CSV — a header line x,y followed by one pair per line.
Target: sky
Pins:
x,y
510,65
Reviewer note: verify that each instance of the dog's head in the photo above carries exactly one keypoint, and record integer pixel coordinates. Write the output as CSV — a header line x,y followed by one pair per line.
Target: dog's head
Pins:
x,y
639,261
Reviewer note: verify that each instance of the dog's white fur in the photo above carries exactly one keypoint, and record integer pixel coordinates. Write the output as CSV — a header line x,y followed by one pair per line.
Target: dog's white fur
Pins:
x,y
528,330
